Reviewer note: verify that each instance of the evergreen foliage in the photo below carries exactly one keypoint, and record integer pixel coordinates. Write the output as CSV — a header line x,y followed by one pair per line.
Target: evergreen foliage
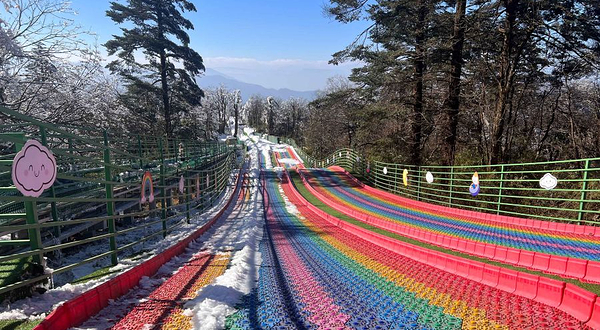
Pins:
x,y
170,67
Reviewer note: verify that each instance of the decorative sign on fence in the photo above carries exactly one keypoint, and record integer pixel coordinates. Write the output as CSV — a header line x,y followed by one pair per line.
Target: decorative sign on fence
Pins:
x,y
33,169
405,177
474,187
548,181
429,177
384,170
181,184
181,151
147,197
475,178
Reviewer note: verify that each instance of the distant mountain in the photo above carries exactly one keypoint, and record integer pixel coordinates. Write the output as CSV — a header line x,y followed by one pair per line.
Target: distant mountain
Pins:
x,y
214,78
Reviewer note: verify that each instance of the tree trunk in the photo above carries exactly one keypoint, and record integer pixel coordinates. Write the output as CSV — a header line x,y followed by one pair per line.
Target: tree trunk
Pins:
x,y
237,113
417,123
505,81
452,103
163,80
165,93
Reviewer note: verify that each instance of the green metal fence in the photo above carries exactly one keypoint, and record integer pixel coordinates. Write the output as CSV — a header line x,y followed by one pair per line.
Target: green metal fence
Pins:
x,y
96,197
505,189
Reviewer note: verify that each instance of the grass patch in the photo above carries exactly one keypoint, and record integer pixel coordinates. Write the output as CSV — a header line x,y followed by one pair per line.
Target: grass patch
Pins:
x,y
19,324
12,270
595,288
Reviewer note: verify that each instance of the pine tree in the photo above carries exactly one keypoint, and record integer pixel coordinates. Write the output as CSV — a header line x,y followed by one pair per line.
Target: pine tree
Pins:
x,y
159,32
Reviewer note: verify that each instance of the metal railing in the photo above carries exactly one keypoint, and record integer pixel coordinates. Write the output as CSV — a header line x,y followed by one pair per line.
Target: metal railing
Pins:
x,y
505,189
96,196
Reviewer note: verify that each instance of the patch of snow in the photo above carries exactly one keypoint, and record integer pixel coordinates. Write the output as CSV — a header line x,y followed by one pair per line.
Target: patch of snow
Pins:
x,y
289,161
296,155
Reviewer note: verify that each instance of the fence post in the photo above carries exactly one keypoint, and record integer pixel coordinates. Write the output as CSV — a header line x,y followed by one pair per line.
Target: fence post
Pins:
x,y
110,204
163,192
500,188
186,182
53,208
140,151
451,185
376,177
419,183
35,239
583,191
395,178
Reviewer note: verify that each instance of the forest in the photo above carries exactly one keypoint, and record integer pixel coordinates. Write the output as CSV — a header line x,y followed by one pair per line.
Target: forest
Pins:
x,y
439,82
465,82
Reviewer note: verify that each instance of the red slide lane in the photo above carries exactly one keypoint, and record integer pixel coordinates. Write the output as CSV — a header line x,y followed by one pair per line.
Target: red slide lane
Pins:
x,y
77,310
580,303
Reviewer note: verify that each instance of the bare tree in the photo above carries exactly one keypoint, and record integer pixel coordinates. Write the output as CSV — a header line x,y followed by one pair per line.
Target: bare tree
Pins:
x,y
46,69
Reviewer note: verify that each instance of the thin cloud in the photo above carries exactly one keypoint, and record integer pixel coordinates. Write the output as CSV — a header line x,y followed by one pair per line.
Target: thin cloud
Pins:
x,y
295,74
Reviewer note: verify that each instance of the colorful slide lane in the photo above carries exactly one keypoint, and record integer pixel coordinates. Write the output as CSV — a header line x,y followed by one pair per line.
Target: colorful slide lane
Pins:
x,y
163,307
566,254
315,275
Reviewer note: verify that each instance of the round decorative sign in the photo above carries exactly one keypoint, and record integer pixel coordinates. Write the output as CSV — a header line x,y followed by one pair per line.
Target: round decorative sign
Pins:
x,y
147,186
429,177
474,189
548,181
33,169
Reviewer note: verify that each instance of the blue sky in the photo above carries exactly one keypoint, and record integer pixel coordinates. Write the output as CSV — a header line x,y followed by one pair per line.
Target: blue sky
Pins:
x,y
274,43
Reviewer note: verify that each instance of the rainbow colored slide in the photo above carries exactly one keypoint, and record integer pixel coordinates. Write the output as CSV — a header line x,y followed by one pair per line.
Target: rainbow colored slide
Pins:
x,y
316,274
571,254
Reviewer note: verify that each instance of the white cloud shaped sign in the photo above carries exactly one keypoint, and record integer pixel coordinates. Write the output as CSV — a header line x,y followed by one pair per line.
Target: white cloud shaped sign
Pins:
x,y
548,181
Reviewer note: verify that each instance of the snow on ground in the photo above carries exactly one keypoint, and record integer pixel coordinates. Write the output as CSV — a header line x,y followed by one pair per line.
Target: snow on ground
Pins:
x,y
40,305
289,161
217,300
296,155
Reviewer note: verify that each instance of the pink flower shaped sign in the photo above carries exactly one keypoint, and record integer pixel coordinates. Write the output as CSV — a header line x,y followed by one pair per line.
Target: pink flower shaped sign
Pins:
x,y
33,169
